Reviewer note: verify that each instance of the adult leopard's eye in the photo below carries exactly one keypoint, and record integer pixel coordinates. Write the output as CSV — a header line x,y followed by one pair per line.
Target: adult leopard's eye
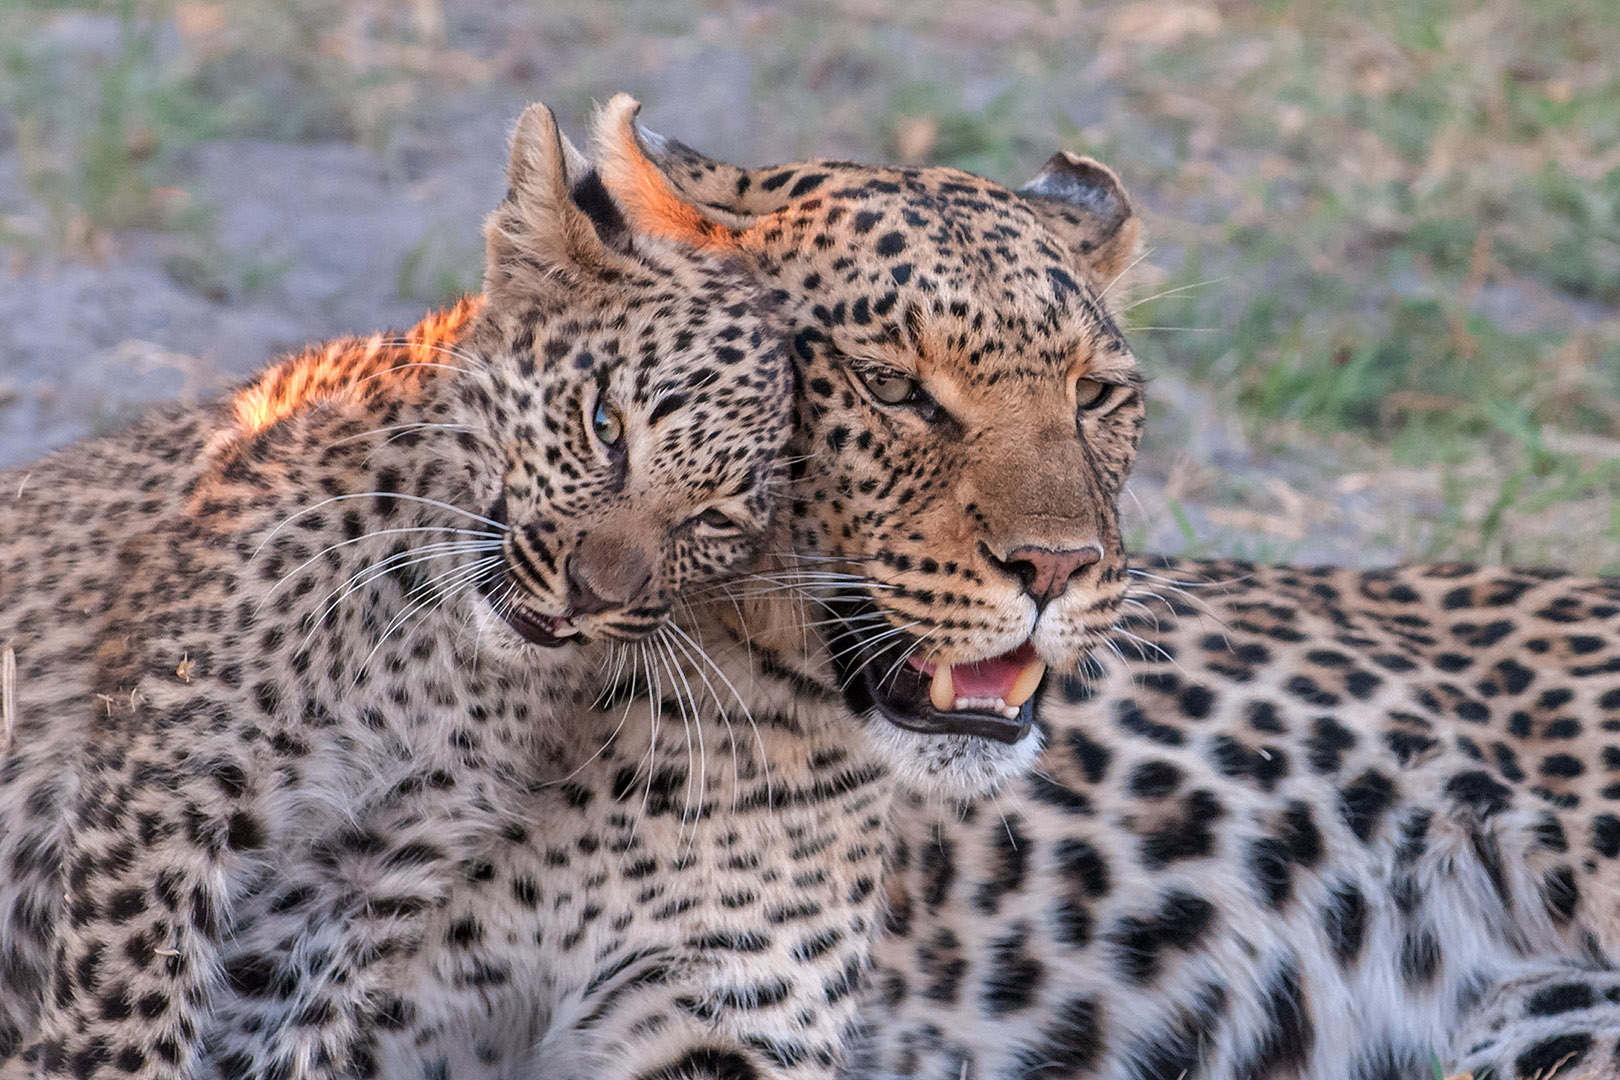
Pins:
x,y
891,389
717,520
608,424
1091,394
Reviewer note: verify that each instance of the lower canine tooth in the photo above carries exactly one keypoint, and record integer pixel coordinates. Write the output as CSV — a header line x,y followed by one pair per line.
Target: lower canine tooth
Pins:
x,y
942,693
1025,684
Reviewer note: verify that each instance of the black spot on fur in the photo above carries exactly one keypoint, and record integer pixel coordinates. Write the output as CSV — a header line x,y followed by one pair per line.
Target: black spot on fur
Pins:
x,y
1420,958
1177,1049
1070,1045
1288,1035
1154,780
1559,998
705,1063
1328,741
1561,1052
1188,835
1479,792
1345,921
1606,835
1015,976
1560,893
1093,757
891,243
1362,802
1272,871
1180,923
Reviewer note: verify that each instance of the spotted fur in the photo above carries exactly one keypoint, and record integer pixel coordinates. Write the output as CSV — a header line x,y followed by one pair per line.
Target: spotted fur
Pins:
x,y
1302,823
269,700
696,894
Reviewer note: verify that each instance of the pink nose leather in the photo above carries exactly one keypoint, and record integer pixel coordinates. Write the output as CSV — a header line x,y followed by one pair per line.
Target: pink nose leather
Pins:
x,y
1046,573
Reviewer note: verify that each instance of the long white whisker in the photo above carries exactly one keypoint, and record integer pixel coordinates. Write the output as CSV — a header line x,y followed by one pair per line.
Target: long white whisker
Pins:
x,y
676,682
377,495
1128,268
688,646
470,571
1172,292
398,427
293,573
374,571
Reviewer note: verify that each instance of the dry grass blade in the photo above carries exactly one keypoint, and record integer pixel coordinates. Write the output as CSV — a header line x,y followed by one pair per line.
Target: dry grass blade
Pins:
x,y
8,698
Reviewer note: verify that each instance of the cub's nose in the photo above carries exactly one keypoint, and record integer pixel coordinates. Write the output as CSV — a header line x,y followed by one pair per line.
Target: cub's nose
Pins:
x,y
586,597
1046,572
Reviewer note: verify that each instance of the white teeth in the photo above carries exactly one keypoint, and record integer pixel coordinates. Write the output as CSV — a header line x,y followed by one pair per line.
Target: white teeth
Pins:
x,y
1025,684
564,628
942,693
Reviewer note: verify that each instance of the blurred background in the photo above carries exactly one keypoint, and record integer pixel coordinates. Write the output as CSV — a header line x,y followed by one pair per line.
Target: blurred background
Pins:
x,y
1380,316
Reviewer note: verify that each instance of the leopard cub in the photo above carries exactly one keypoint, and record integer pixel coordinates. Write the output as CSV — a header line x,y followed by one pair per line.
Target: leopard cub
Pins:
x,y
275,667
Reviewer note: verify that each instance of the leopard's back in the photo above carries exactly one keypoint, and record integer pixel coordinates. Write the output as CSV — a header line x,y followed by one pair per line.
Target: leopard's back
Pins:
x,y
1311,822
80,533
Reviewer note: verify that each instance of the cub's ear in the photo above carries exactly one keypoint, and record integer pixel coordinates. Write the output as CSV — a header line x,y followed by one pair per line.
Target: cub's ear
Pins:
x,y
1082,201
539,231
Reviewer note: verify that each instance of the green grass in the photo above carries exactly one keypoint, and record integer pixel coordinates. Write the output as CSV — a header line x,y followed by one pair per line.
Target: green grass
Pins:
x,y
1424,256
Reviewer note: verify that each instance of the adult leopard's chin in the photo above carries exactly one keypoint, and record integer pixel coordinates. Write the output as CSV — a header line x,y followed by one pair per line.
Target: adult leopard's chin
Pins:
x,y
958,731
950,766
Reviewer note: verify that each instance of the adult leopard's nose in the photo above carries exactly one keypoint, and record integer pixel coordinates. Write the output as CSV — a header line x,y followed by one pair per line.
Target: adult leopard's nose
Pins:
x,y
1045,573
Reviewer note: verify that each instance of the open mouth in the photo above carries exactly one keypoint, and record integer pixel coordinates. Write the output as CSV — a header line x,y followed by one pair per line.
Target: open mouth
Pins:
x,y
547,631
991,699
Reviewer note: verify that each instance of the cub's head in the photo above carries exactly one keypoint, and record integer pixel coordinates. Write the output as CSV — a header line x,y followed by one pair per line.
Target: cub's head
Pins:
x,y
631,401
969,412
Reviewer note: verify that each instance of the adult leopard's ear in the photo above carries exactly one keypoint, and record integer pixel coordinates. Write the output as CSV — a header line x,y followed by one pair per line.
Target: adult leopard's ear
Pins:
x,y
1082,201
540,232
660,184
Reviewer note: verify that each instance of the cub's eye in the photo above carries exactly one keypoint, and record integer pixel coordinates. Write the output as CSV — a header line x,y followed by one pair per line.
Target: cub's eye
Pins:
x,y
608,424
1092,394
717,521
891,389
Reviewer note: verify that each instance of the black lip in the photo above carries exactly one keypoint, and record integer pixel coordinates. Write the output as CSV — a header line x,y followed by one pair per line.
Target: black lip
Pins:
x,y
535,629
881,681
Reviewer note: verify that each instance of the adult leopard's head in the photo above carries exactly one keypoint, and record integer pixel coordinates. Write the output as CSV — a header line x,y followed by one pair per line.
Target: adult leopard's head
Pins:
x,y
628,406
968,415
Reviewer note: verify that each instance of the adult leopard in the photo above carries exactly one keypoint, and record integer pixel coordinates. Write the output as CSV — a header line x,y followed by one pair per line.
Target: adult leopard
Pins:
x,y
1310,822
274,668
1305,822
696,895
1313,823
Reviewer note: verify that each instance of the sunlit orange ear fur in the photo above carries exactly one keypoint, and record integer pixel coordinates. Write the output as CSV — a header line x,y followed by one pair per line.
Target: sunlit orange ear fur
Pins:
x,y
643,192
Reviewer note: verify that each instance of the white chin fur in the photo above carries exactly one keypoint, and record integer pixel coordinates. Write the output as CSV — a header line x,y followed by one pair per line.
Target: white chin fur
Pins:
x,y
949,766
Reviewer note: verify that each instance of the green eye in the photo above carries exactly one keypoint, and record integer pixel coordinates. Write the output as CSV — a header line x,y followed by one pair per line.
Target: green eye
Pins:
x,y
608,424
891,389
